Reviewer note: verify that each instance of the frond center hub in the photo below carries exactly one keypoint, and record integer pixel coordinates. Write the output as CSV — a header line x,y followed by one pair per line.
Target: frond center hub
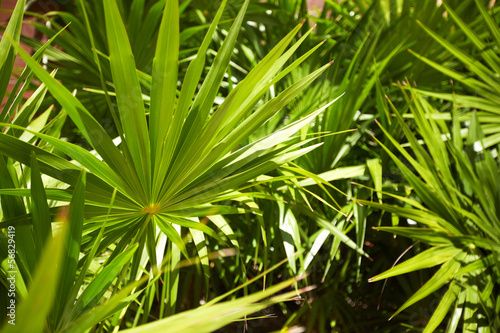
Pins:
x,y
151,209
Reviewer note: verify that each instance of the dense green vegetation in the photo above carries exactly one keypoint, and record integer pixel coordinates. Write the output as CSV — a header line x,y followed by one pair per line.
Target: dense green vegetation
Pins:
x,y
247,166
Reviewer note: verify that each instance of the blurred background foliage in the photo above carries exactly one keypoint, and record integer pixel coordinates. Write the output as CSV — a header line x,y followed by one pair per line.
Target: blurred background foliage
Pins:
x,y
395,215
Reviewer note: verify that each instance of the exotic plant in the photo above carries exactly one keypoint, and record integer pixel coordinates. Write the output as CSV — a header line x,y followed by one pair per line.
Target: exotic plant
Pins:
x,y
172,163
480,89
72,53
185,144
454,174
456,185
365,92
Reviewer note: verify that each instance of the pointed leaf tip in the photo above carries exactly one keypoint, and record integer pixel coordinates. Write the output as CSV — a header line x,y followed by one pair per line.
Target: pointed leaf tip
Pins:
x,y
303,21
301,276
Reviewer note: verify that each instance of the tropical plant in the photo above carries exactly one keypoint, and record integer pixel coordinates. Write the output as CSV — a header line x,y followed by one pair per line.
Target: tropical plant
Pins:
x,y
480,76
455,185
365,98
170,166
199,124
